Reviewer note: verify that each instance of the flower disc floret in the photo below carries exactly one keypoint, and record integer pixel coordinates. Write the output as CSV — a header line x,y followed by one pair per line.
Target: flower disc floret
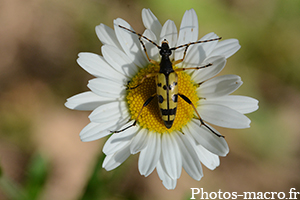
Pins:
x,y
150,117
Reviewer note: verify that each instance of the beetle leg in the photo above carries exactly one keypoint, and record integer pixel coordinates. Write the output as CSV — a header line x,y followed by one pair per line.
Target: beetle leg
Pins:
x,y
201,67
187,46
146,76
144,47
184,54
201,120
134,123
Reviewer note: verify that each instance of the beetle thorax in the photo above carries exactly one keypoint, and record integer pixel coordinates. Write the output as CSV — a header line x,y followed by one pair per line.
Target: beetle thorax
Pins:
x,y
165,63
165,51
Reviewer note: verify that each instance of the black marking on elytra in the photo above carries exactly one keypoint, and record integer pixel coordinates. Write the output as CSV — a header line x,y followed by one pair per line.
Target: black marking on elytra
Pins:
x,y
160,98
172,85
175,98
168,111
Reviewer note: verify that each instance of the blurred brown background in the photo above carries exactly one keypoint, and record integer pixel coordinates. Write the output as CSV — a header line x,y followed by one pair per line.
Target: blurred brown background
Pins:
x,y
39,43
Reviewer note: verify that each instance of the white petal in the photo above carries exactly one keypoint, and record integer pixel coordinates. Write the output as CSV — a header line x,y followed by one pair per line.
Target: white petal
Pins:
x,y
97,66
151,22
113,161
113,111
209,46
197,53
206,138
138,143
188,31
119,140
119,60
219,86
169,32
130,43
194,57
218,63
94,131
191,163
241,104
149,156
226,48
86,101
189,28
169,183
171,156
107,88
107,35
223,116
210,160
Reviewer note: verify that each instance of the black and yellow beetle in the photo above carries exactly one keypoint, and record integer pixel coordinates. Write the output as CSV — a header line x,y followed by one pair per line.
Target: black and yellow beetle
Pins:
x,y
167,82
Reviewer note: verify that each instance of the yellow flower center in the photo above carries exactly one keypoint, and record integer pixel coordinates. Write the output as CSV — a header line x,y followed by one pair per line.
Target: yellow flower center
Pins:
x,y
150,116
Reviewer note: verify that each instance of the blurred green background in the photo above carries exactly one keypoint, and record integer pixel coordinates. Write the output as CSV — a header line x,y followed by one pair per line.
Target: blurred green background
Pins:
x,y
41,155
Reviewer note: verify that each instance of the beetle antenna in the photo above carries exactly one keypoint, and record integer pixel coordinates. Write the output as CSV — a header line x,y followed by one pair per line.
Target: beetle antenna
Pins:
x,y
197,42
140,35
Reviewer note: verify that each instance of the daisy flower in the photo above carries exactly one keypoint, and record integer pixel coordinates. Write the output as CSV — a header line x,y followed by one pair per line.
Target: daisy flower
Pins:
x,y
125,81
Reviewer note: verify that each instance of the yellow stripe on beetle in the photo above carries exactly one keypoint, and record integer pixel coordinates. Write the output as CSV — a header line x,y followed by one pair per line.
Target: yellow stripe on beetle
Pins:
x,y
167,94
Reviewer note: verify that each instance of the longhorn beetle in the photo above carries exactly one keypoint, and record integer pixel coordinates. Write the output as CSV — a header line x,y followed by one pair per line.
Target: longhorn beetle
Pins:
x,y
166,82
